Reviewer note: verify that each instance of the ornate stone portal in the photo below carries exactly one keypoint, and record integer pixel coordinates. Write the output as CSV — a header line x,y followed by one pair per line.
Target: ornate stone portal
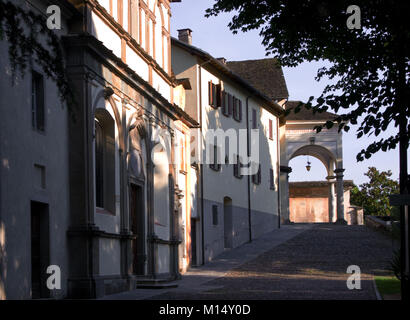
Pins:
x,y
298,138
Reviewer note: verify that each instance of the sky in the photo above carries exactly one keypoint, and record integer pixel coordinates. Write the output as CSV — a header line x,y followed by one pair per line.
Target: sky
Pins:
x,y
213,35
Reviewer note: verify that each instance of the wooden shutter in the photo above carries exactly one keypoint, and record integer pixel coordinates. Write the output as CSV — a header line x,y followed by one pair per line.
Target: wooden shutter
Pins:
x,y
270,129
215,165
230,104
224,103
235,108
236,167
210,95
240,111
214,96
218,96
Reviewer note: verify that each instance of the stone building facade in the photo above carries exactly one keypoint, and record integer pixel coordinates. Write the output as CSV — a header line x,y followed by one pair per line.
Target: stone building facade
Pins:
x,y
117,191
101,201
232,208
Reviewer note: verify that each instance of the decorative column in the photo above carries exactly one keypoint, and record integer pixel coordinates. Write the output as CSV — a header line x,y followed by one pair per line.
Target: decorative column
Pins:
x,y
175,211
340,197
332,197
151,237
176,236
124,225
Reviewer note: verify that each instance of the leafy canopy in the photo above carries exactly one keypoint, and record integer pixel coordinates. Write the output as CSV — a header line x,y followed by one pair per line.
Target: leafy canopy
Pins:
x,y
373,196
369,67
30,41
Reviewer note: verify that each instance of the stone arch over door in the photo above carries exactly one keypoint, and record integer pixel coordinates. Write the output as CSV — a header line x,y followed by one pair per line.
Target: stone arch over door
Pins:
x,y
301,139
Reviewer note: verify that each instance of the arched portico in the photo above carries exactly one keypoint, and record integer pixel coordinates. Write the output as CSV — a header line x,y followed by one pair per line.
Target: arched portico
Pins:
x,y
299,138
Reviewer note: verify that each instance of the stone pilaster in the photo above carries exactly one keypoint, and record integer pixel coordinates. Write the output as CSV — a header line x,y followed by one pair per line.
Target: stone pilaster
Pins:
x,y
332,198
340,196
284,177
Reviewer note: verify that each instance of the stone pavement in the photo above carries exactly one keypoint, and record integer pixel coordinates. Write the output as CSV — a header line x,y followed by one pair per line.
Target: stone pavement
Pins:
x,y
296,262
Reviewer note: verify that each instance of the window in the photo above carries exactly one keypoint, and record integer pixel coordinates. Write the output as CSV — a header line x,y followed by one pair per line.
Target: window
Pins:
x,y
40,172
134,23
104,169
254,119
237,110
215,215
224,104
218,93
216,165
256,178
37,101
99,164
230,104
237,168
270,129
214,95
272,179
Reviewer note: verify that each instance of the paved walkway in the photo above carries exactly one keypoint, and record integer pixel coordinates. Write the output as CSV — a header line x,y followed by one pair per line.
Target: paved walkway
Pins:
x,y
295,262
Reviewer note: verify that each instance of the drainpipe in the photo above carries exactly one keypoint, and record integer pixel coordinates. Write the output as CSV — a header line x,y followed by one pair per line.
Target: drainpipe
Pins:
x,y
249,178
278,169
201,164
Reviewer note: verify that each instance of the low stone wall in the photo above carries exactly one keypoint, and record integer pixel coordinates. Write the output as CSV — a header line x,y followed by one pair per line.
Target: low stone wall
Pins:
x,y
377,223
355,216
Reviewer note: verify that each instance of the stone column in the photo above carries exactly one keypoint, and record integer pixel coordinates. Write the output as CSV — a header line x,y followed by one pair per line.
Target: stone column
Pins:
x,y
284,196
175,211
332,197
340,197
152,248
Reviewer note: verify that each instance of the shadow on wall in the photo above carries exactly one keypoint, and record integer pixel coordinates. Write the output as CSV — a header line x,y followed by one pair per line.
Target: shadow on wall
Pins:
x,y
267,158
3,257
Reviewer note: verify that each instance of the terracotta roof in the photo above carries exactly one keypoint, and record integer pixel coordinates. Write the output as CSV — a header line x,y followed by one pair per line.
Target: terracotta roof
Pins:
x,y
305,114
222,67
265,75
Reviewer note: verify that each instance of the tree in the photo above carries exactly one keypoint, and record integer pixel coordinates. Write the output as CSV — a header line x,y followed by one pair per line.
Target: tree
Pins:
x,y
373,196
31,41
370,66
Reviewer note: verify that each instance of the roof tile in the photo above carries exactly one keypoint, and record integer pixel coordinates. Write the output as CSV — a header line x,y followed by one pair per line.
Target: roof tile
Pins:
x,y
265,75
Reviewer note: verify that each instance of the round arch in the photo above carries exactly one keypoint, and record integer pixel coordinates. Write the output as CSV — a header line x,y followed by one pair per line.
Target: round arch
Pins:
x,y
321,153
113,111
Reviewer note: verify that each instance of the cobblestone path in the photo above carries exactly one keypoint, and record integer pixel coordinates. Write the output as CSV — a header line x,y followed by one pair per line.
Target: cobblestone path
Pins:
x,y
312,265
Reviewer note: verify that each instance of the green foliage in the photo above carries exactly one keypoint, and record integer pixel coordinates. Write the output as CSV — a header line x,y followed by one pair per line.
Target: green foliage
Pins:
x,y
395,264
387,285
373,196
30,41
370,68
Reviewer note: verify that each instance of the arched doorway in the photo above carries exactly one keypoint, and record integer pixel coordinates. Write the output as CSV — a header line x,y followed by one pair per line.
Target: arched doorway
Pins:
x,y
228,225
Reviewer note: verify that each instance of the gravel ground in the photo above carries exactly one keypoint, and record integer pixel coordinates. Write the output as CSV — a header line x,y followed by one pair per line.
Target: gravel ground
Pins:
x,y
312,265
